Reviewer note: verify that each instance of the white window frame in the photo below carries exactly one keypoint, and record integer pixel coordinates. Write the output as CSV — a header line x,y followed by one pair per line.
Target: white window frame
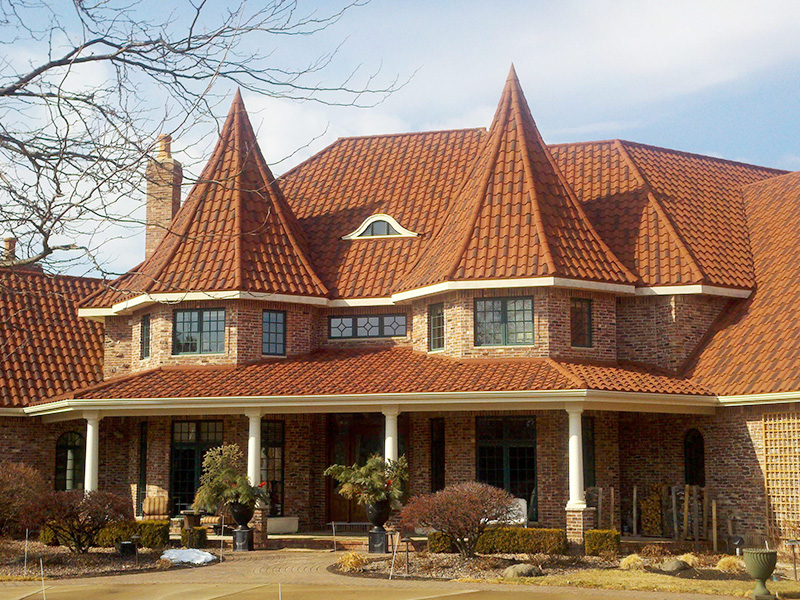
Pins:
x,y
402,231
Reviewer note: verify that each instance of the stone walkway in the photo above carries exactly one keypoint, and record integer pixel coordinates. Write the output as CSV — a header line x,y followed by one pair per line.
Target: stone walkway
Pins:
x,y
302,575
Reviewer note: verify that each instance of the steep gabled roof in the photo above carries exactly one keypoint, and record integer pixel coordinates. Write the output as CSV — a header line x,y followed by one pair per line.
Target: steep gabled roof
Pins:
x,y
45,349
235,231
754,348
515,216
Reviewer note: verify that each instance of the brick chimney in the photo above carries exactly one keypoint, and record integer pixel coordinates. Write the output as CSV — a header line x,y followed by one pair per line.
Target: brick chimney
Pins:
x,y
9,249
164,176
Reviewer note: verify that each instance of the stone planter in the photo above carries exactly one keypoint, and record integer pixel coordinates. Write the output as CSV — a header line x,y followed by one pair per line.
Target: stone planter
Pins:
x,y
378,514
760,564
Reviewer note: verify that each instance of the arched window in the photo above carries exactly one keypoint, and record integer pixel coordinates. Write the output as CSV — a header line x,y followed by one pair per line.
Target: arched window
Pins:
x,y
379,226
694,458
70,450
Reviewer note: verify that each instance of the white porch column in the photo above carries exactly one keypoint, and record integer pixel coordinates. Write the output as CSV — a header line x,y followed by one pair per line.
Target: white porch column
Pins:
x,y
577,499
390,437
92,452
254,449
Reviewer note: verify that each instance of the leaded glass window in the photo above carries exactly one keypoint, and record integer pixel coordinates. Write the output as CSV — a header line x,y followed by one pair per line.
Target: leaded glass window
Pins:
x,y
504,321
367,326
144,337
199,331
436,326
70,453
272,464
581,322
506,456
273,334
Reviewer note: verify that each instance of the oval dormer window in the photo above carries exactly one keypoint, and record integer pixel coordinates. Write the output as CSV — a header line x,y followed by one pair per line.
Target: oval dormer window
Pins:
x,y
379,226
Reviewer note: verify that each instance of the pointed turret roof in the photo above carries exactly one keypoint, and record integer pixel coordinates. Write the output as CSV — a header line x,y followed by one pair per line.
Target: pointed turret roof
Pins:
x,y
515,216
235,231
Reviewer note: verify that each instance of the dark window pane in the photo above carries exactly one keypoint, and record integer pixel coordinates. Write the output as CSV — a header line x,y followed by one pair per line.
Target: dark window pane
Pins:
x,y
589,477
379,228
490,468
436,326
488,322
490,428
694,458
144,337
273,334
70,453
520,428
581,322
200,331
272,464
190,441
141,487
213,331
437,454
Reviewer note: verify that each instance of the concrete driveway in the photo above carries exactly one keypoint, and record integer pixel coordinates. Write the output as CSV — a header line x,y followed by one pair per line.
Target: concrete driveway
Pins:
x,y
291,575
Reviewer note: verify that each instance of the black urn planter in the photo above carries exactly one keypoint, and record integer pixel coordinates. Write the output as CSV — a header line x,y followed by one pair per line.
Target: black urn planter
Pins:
x,y
378,514
241,513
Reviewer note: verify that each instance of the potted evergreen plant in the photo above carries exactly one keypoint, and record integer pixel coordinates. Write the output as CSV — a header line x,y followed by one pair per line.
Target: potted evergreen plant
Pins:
x,y
224,483
377,483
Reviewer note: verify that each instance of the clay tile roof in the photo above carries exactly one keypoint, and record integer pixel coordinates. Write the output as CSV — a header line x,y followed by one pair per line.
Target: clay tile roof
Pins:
x,y
630,377
394,370
45,348
235,231
754,347
515,215
412,177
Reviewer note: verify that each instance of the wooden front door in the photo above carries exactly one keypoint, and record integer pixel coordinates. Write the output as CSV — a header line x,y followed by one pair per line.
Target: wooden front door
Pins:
x,y
354,437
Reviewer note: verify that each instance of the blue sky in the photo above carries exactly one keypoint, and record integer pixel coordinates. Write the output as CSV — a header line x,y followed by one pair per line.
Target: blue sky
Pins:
x,y
713,77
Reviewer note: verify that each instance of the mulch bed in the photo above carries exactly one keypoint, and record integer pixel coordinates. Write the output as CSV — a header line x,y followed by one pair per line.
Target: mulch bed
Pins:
x,y
60,563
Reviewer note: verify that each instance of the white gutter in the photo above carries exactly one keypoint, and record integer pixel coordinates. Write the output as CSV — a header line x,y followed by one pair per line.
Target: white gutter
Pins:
x,y
677,290
12,411
417,402
753,399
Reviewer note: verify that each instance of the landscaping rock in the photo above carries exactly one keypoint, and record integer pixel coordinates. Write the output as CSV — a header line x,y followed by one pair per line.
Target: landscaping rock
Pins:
x,y
521,570
674,566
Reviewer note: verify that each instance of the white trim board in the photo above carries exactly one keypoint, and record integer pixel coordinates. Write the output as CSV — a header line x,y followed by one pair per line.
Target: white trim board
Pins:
x,y
678,290
402,232
759,399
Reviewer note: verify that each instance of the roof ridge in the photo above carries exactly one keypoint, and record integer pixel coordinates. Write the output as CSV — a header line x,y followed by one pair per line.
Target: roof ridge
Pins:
x,y
651,198
566,372
406,133
698,155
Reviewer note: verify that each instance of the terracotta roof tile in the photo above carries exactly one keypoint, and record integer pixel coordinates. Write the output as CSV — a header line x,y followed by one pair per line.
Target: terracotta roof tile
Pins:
x,y
45,349
515,215
395,370
235,231
754,348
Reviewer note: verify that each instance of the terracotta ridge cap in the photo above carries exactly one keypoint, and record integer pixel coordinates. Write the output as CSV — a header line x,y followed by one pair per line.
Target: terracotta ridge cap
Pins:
x,y
705,156
651,198
767,181
566,373
409,133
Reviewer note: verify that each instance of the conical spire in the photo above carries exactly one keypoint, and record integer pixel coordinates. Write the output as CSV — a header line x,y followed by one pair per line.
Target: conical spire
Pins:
x,y
235,230
516,216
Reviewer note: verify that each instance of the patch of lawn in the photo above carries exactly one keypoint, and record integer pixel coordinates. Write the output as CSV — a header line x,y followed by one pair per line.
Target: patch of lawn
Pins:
x,y
615,579
18,577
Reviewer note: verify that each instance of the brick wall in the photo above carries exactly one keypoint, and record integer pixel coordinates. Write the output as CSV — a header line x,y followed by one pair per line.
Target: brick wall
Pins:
x,y
552,337
664,330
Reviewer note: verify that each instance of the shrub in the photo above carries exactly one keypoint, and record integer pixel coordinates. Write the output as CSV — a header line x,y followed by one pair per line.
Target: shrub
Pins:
x,y
47,536
690,559
76,518
196,537
462,512
352,562
22,491
730,564
439,543
632,562
375,481
516,540
118,531
155,534
601,541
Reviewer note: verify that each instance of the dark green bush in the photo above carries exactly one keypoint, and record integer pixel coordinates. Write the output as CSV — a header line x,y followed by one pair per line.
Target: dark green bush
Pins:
x,y
47,536
508,540
155,534
196,537
118,531
600,541
439,543
516,540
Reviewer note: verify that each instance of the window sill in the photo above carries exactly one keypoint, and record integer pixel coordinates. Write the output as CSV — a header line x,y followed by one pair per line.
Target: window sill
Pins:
x,y
582,347
368,339
273,355
437,351
506,346
197,354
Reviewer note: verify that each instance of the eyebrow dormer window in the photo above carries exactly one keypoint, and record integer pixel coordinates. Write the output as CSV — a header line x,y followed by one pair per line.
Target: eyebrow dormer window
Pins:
x,y
379,226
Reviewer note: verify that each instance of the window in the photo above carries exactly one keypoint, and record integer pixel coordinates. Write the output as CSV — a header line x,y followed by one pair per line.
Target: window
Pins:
x,y
144,337
379,228
436,326
70,452
379,225
190,442
589,476
141,487
272,451
503,321
580,317
199,331
371,326
273,333
506,457
437,454
694,458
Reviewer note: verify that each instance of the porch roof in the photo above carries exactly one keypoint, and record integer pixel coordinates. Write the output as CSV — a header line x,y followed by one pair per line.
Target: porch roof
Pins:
x,y
389,371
